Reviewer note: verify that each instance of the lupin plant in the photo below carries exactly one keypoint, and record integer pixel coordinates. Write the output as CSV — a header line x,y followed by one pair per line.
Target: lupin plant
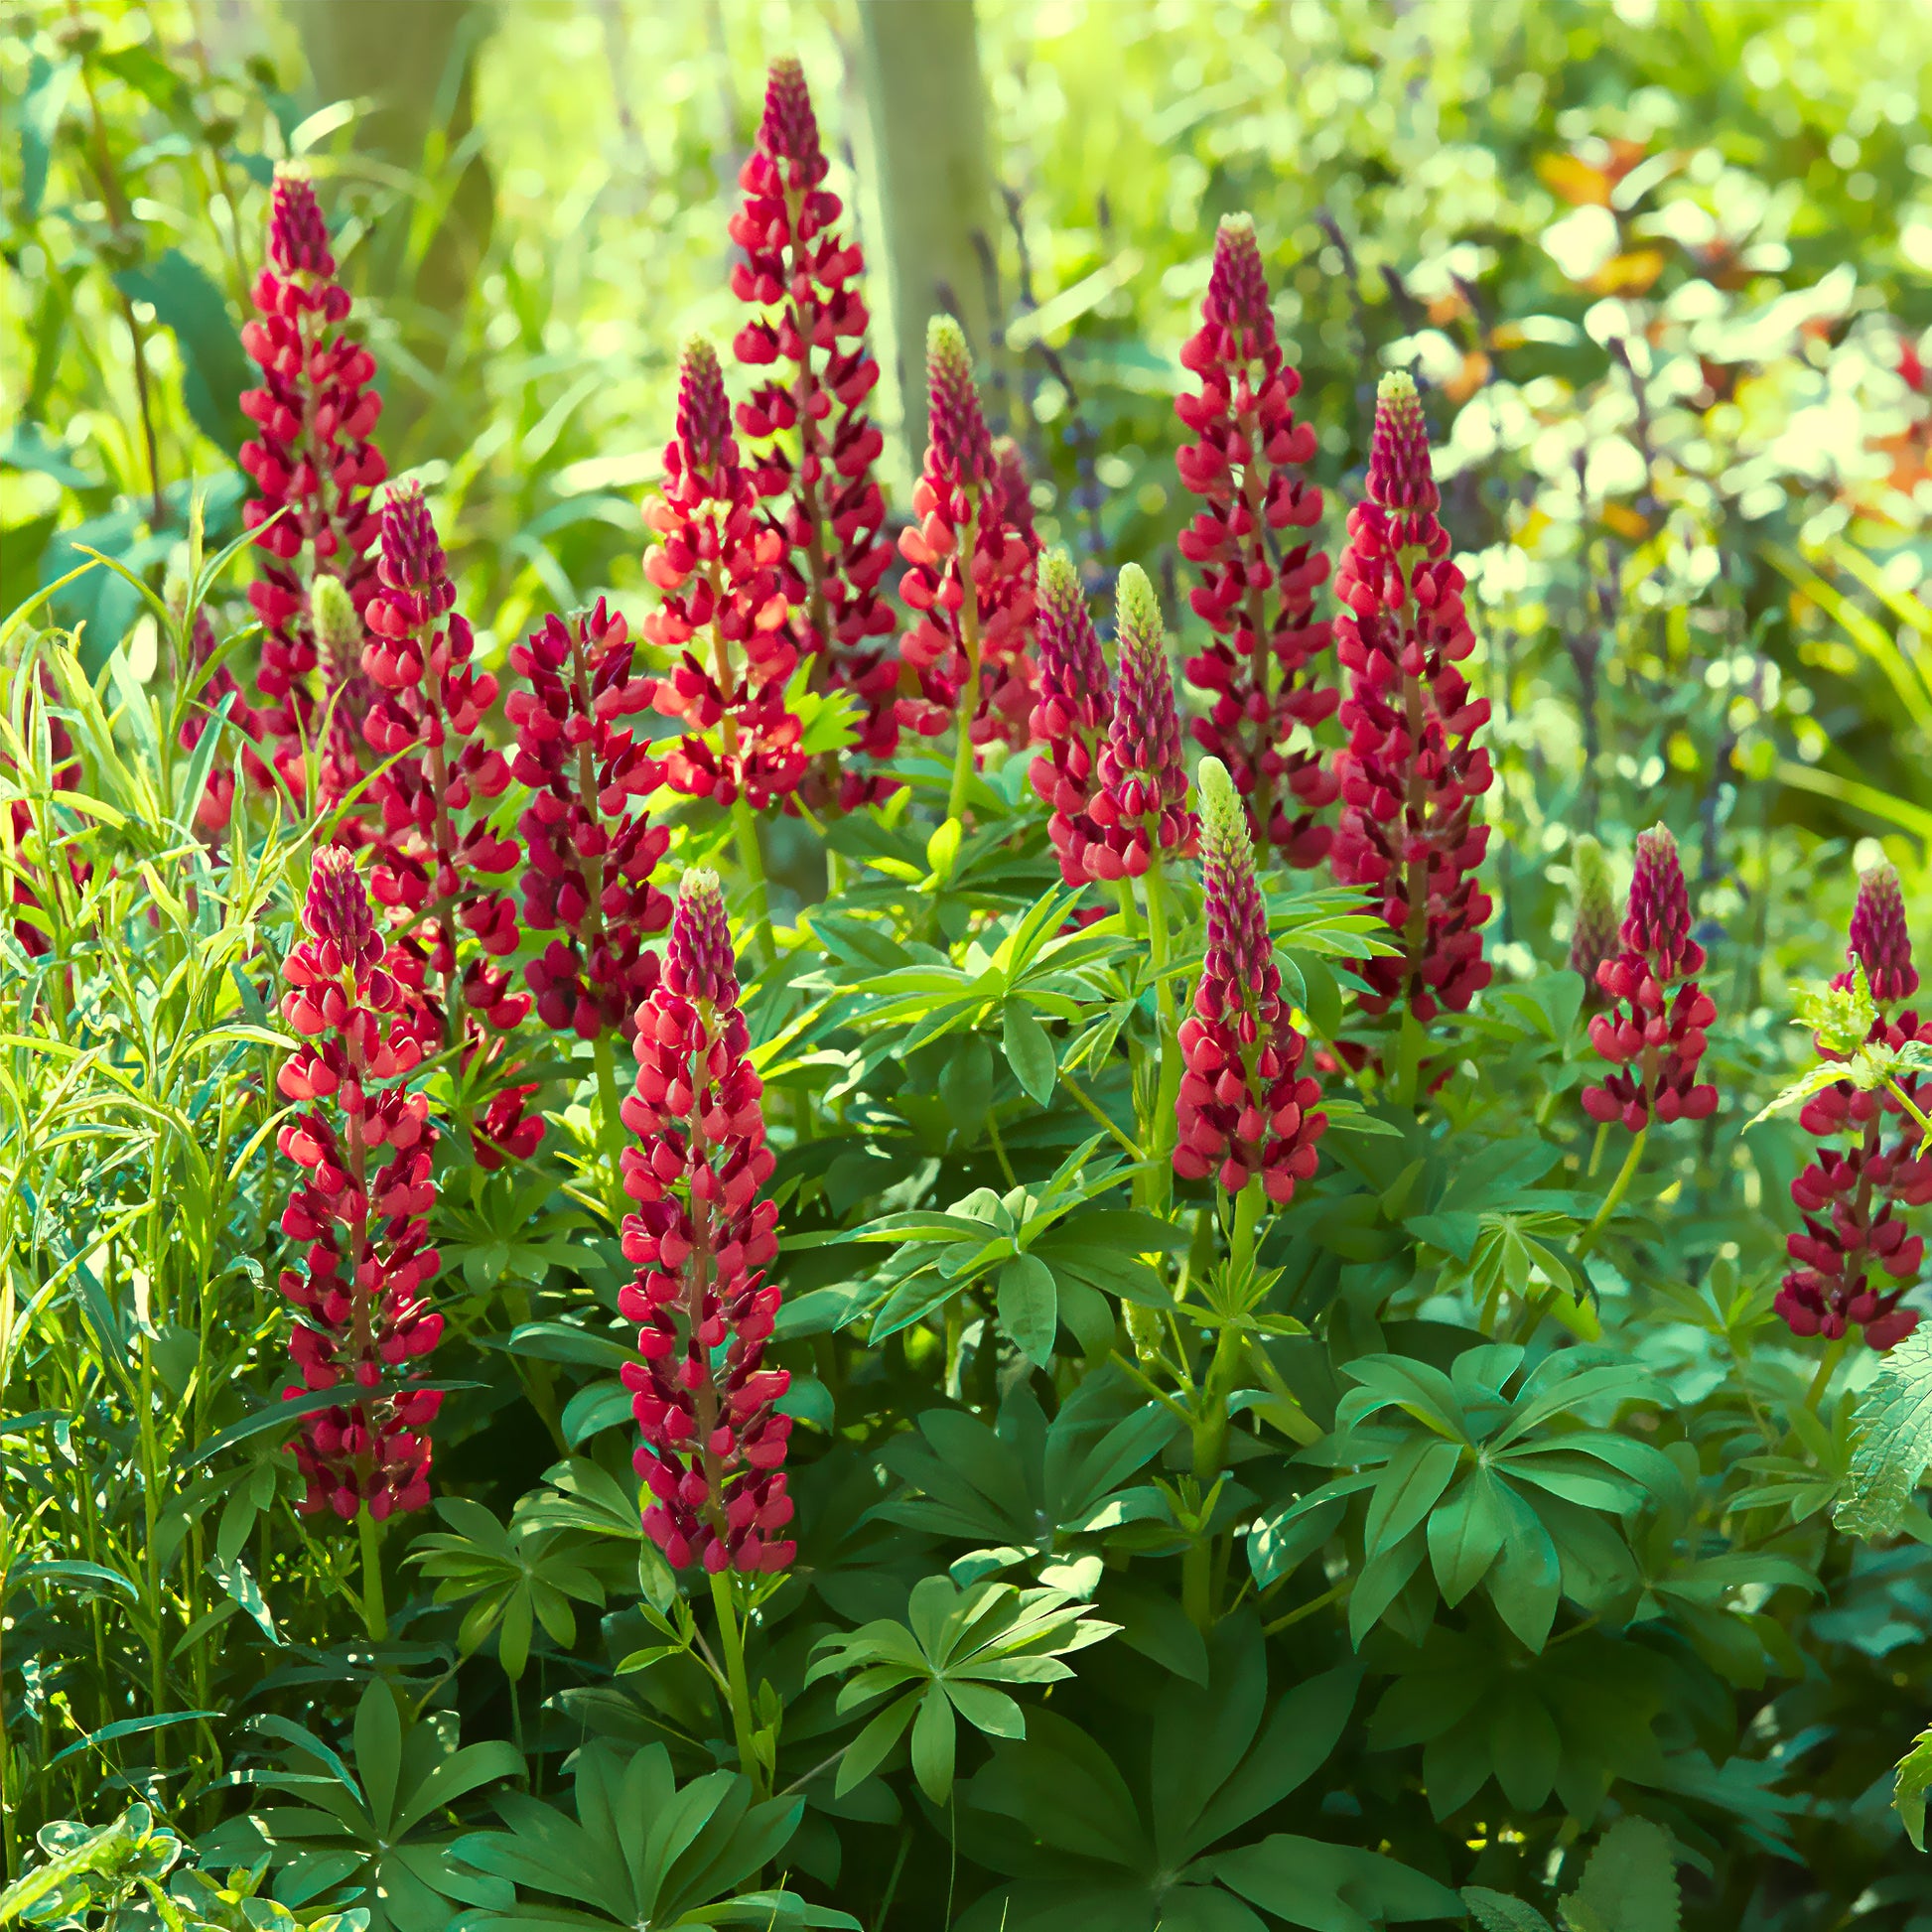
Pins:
x,y
591,847
1259,573
1137,807
361,1288
700,1236
1857,1253
1245,1109
1071,709
436,852
1593,936
816,446
1654,1030
1411,772
312,460
725,620
969,581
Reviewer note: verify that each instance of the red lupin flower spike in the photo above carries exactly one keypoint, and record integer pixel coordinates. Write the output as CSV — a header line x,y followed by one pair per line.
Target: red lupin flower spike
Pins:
x,y
1257,596
1072,707
1411,772
971,555
429,701
1138,804
590,847
1654,1036
714,1444
726,618
803,274
1856,1256
362,1287
312,457
1244,1106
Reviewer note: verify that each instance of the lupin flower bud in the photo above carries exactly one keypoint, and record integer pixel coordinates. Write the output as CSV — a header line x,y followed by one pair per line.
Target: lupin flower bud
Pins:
x,y
591,846
802,275
1138,804
362,1287
1880,942
1073,706
725,620
1244,1107
1245,463
1411,772
348,696
1857,1257
971,554
1654,1039
312,457
1592,938
714,1444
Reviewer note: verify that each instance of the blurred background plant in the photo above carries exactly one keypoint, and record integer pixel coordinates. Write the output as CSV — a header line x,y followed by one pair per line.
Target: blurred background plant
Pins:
x,y
1662,271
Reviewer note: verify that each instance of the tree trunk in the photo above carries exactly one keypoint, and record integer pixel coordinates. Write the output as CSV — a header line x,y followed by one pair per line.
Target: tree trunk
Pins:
x,y
926,108
414,62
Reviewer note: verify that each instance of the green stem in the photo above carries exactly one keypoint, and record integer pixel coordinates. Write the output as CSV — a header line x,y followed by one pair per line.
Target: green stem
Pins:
x,y
374,1616
1211,1425
1247,1217
744,830
1158,1135
969,637
1087,1100
731,1641
1826,1368
610,1122
1619,1188
1334,1594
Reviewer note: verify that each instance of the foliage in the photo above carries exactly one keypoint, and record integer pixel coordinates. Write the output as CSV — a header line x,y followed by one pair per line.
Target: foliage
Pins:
x,y
1449,1531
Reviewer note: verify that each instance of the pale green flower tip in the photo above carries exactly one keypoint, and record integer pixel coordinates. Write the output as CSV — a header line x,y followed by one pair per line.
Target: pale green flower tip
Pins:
x,y
946,345
332,610
1224,820
1139,610
1397,389
1058,579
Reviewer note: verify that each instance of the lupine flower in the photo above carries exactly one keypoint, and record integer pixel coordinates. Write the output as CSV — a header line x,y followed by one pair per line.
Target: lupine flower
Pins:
x,y
1653,1036
1257,599
803,273
726,617
1411,772
436,844
972,617
312,457
1071,708
348,697
28,930
713,1446
215,805
1244,1106
590,847
1855,1257
1139,802
361,1288
1594,937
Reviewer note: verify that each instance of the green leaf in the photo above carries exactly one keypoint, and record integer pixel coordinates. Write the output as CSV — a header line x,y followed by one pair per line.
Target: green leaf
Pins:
x,y
1465,1534
1629,1884
933,1737
1332,1888
1526,1581
1028,1303
1909,1786
1029,1053
214,367
1496,1911
1894,1416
